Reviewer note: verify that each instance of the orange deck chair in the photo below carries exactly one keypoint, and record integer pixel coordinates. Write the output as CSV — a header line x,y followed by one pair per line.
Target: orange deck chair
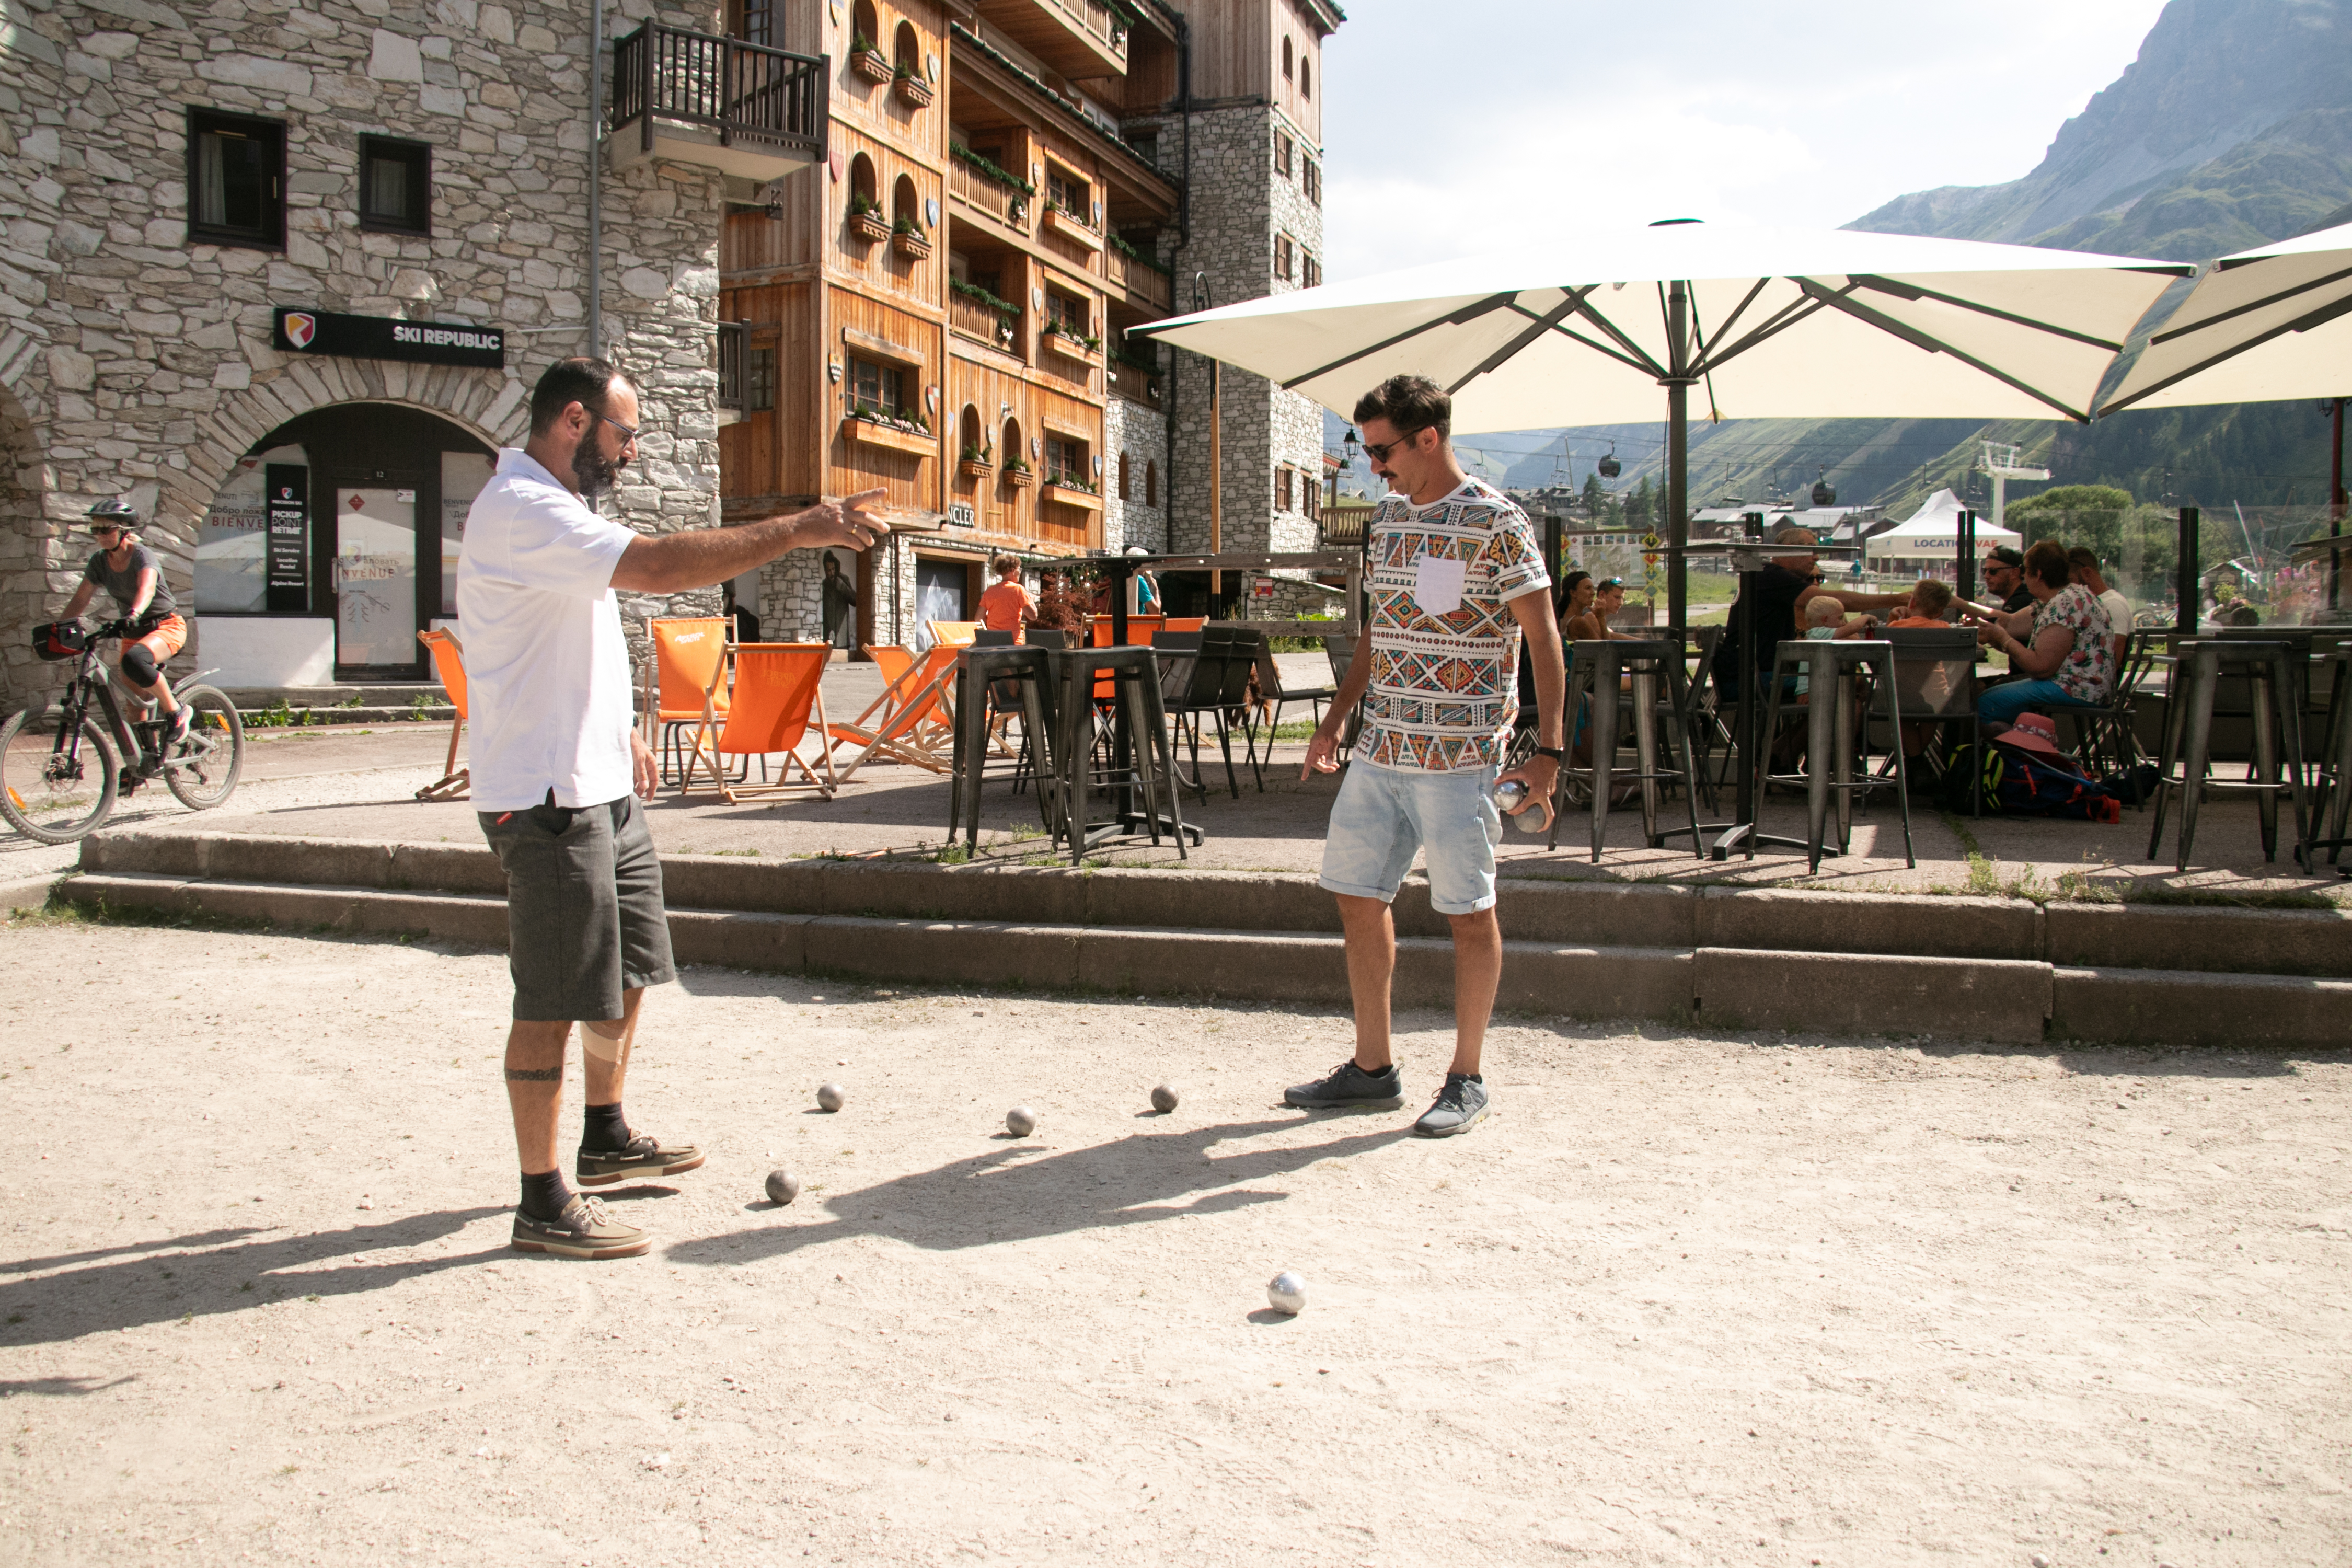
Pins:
x,y
685,685
909,709
450,669
779,686
917,722
957,633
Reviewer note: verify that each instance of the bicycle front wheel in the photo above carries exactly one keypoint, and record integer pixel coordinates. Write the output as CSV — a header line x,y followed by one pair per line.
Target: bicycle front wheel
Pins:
x,y
57,782
202,770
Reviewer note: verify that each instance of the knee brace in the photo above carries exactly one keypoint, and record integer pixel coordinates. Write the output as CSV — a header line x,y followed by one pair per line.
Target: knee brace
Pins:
x,y
605,1047
139,665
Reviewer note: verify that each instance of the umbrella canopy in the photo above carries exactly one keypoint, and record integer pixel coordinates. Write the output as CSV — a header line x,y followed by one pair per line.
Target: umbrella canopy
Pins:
x,y
2264,324
1764,321
1776,322
1934,530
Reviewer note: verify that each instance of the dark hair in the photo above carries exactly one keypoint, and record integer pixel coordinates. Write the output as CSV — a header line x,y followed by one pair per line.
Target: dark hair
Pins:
x,y
1935,597
2005,555
1002,562
1411,403
2082,560
2047,564
581,380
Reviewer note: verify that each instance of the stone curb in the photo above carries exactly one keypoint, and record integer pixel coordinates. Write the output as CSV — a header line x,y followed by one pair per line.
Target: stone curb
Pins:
x,y
1544,911
2198,1009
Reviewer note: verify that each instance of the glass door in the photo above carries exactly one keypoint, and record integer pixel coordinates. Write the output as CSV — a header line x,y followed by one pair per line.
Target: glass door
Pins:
x,y
375,578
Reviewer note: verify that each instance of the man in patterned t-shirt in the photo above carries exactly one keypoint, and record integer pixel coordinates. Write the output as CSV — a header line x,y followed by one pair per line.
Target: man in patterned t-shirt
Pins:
x,y
1457,578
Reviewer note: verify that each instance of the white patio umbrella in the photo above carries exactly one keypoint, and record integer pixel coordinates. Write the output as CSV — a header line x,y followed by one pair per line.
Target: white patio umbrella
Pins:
x,y
2265,324
1765,322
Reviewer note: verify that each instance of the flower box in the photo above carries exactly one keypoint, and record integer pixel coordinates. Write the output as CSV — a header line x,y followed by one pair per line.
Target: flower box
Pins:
x,y
869,225
1065,345
871,433
1067,495
975,468
917,245
912,89
1069,227
869,63
1020,478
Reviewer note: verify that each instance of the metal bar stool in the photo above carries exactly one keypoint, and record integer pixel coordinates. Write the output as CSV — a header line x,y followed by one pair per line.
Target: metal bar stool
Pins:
x,y
1602,667
2331,799
1831,666
1141,758
1016,679
2199,666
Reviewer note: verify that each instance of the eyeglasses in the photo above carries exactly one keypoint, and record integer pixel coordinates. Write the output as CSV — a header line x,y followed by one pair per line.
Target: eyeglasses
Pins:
x,y
106,528
628,435
1379,450
1609,582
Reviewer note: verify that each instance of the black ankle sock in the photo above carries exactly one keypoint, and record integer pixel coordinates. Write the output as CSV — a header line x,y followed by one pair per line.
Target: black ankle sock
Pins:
x,y
603,1129
1380,1071
543,1196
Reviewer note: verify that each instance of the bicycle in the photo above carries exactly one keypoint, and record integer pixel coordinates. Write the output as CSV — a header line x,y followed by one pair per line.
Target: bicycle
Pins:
x,y
59,775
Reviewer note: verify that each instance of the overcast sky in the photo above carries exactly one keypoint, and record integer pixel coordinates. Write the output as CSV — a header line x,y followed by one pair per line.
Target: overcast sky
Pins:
x,y
1454,126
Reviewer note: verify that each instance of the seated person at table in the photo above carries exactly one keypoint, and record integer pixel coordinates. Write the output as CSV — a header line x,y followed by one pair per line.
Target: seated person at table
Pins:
x,y
1600,600
1925,612
1007,606
1786,585
2062,649
2004,571
1826,622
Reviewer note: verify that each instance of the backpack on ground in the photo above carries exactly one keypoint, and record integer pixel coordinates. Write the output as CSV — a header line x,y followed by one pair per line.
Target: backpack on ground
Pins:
x,y
2020,783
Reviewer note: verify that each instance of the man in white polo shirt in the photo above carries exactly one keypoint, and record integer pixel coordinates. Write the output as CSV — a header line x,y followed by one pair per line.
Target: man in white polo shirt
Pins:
x,y
557,767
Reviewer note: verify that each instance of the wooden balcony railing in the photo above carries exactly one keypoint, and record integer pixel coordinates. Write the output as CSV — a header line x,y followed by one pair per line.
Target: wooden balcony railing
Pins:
x,y
1095,19
1145,284
1132,382
749,93
984,193
977,318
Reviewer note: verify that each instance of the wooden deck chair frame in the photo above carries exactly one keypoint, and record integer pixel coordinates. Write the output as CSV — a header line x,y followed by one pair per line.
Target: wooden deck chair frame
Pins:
x,y
921,732
448,653
744,712
703,752
913,720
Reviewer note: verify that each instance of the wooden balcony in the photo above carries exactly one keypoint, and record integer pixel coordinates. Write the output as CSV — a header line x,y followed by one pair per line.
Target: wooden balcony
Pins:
x,y
1062,494
984,193
1072,227
694,98
1135,385
1080,38
873,433
1147,286
978,320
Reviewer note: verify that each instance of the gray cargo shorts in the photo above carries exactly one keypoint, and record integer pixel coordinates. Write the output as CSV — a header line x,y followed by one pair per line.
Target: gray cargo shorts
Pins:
x,y
584,917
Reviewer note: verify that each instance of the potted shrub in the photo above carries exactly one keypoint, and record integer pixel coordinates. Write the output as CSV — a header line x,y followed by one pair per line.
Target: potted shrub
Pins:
x,y
865,219
867,59
909,84
974,464
1017,474
909,240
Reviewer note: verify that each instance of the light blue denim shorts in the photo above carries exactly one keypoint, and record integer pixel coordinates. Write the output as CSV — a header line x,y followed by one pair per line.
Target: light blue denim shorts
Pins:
x,y
1386,816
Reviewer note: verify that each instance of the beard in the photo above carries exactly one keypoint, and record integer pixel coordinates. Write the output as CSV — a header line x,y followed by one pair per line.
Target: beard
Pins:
x,y
592,471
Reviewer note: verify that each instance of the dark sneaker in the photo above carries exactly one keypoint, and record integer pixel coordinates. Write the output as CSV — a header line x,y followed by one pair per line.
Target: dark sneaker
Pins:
x,y
584,1229
1460,1106
1350,1085
175,727
644,1157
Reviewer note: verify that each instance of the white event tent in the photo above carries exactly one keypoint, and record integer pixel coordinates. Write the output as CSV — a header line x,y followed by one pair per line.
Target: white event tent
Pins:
x,y
1932,535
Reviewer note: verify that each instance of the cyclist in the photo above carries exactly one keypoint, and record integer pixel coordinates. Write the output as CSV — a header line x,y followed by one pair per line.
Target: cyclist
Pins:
x,y
129,570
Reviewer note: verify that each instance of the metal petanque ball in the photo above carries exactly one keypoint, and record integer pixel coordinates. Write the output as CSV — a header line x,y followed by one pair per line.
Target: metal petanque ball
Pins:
x,y
1287,1293
1021,1121
1164,1098
783,1187
829,1096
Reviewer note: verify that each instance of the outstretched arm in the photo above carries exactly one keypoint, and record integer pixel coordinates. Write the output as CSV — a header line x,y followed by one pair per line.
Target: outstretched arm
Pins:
x,y
699,557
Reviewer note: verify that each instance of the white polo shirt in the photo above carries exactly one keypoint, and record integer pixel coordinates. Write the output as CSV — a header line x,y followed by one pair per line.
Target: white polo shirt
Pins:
x,y
546,664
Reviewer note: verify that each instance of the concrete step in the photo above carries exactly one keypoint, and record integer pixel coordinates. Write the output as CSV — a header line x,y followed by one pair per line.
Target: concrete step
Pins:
x,y
2016,1001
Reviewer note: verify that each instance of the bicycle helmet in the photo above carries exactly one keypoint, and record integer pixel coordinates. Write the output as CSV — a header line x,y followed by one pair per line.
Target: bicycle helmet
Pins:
x,y
113,512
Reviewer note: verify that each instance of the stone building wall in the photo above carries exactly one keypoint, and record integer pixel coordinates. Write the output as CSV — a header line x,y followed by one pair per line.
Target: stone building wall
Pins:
x,y
791,597
1140,434
141,362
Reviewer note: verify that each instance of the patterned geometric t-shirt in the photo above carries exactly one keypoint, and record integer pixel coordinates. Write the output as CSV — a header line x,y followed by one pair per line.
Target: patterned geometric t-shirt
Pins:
x,y
1446,666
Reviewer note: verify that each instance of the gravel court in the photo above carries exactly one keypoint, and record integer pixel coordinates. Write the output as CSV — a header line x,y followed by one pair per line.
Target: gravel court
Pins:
x,y
1702,1299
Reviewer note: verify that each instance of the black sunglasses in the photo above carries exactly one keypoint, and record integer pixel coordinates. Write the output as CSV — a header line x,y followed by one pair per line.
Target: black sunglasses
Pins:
x,y
1379,450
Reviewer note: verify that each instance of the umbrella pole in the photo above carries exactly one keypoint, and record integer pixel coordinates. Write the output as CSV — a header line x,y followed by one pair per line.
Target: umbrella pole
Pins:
x,y
1677,455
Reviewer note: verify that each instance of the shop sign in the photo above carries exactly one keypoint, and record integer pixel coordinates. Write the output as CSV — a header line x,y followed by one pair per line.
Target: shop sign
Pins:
x,y
960,514
385,337
287,490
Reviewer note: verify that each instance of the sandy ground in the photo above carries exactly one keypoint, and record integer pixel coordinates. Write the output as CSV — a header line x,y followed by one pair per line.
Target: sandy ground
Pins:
x,y
1680,1300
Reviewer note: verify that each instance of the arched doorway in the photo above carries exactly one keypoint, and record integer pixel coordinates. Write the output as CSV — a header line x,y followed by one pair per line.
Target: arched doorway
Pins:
x,y
332,543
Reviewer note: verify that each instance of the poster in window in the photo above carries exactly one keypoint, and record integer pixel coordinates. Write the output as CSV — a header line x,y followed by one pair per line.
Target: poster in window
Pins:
x,y
287,489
